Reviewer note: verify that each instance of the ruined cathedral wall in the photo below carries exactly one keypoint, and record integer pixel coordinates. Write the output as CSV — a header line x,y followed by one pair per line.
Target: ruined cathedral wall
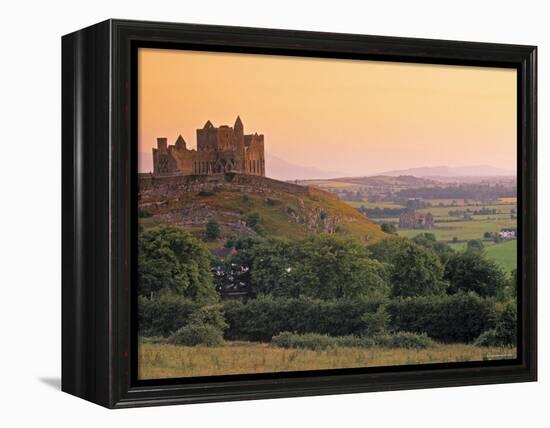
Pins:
x,y
194,162
207,139
255,159
184,159
163,162
225,138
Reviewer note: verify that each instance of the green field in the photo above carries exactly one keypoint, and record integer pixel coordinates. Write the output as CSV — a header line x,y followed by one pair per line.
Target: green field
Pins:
x,y
450,228
462,230
158,360
504,253
502,209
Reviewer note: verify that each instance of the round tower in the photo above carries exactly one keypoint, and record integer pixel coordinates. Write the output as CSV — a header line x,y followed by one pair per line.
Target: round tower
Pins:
x,y
238,134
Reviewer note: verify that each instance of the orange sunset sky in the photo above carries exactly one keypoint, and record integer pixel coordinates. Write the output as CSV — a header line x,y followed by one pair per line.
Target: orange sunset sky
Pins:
x,y
343,116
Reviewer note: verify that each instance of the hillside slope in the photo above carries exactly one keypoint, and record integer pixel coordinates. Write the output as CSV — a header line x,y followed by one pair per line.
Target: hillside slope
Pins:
x,y
284,210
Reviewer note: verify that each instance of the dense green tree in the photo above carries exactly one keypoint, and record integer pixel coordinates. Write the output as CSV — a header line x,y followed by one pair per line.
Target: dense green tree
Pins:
x,y
385,249
388,228
513,284
507,325
235,271
212,230
428,240
475,245
414,269
170,259
324,267
473,271
505,331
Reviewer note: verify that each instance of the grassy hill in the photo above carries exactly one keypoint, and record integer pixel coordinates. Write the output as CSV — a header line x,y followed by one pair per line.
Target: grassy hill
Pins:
x,y
247,206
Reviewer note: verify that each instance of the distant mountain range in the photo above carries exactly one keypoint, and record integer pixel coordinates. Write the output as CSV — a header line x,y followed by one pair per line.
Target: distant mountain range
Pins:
x,y
145,162
446,171
280,169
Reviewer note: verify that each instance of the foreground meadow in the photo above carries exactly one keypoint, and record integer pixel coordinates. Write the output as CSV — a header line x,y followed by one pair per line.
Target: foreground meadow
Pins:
x,y
161,360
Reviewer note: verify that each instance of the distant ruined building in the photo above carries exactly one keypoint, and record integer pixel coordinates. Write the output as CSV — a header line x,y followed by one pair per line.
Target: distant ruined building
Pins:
x,y
219,150
412,219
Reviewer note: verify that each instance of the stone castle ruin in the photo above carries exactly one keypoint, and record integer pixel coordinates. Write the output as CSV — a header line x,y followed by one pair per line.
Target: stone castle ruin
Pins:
x,y
412,219
219,150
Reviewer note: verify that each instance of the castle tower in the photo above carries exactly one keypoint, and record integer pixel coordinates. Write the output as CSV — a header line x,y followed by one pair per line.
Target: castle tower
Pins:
x,y
180,143
238,135
162,145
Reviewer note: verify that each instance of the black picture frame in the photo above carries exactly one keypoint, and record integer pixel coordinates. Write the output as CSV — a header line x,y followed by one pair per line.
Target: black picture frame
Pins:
x,y
99,187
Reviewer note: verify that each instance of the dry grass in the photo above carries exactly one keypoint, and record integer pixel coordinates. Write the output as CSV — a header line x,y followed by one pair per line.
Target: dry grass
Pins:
x,y
158,360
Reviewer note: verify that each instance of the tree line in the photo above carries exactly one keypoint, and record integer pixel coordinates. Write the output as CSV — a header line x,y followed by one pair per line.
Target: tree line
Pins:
x,y
324,285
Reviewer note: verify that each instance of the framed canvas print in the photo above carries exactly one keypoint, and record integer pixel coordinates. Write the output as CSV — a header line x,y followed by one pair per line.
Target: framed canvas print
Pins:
x,y
253,213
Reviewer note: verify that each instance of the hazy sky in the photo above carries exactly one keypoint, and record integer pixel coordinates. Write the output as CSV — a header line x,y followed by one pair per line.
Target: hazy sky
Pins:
x,y
357,117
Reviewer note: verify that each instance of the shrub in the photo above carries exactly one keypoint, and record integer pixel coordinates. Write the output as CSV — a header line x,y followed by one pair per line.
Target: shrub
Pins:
x,y
488,338
506,327
406,340
505,331
318,342
311,341
209,315
212,230
455,318
376,323
164,314
262,318
197,334
475,245
273,202
388,228
252,219
143,213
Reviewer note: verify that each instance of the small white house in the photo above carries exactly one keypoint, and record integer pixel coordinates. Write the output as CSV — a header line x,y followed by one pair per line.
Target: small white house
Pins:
x,y
507,233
